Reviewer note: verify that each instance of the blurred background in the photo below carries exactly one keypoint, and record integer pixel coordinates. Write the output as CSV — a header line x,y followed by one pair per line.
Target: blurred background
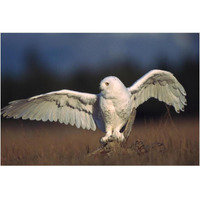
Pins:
x,y
37,63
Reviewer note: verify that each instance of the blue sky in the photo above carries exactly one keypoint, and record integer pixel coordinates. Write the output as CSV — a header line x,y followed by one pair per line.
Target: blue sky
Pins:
x,y
69,52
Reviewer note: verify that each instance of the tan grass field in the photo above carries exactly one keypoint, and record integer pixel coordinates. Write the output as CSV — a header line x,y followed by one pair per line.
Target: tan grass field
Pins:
x,y
37,143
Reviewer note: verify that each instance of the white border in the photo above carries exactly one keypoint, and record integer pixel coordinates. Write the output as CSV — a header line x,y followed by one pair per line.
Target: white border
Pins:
x,y
99,16
111,182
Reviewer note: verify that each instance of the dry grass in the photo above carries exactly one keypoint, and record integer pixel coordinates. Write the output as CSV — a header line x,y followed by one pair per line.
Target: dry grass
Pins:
x,y
35,143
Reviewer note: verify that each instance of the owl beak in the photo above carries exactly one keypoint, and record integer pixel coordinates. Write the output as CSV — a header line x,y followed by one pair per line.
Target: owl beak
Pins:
x,y
101,88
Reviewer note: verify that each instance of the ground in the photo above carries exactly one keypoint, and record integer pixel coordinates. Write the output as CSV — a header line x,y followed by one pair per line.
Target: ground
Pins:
x,y
151,142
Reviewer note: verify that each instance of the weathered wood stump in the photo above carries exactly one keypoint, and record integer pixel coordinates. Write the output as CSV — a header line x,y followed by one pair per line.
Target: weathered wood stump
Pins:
x,y
136,149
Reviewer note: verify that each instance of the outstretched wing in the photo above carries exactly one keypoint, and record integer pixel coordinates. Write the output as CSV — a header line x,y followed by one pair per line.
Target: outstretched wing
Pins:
x,y
65,106
161,85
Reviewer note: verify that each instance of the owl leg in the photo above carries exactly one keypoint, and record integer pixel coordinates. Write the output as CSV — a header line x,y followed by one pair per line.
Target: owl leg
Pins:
x,y
118,136
108,136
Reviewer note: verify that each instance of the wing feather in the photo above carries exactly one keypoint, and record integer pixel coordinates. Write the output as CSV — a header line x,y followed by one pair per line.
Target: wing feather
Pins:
x,y
46,113
78,121
161,85
67,116
82,118
60,114
35,112
12,112
87,121
28,111
72,116
92,124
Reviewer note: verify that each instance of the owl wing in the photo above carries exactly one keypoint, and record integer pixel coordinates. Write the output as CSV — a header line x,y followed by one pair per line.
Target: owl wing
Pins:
x,y
161,85
65,106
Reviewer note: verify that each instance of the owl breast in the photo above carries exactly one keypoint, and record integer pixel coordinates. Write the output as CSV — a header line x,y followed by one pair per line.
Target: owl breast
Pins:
x,y
115,112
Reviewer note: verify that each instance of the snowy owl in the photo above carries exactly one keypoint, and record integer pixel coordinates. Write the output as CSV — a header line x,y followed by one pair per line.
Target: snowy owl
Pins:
x,y
109,110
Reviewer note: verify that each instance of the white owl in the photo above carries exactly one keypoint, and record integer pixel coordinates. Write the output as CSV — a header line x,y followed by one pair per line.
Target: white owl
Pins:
x,y
109,110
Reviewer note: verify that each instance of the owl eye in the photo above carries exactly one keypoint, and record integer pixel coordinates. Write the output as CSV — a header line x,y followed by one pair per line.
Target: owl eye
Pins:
x,y
107,84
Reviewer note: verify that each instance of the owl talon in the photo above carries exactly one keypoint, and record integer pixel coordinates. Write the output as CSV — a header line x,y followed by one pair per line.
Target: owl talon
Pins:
x,y
120,138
